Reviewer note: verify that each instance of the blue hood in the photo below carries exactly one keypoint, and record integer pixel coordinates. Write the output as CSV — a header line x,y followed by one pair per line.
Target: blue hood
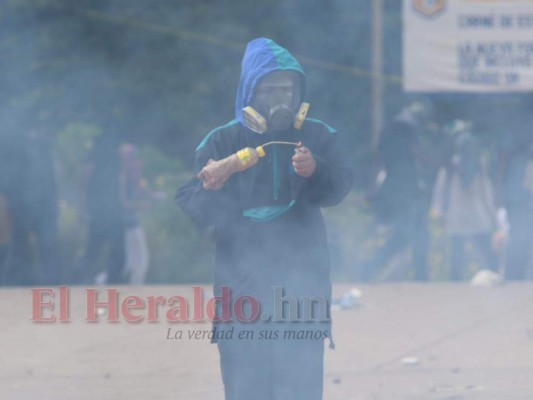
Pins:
x,y
261,57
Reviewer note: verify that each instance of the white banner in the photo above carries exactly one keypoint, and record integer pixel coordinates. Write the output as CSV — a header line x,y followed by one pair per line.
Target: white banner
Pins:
x,y
468,45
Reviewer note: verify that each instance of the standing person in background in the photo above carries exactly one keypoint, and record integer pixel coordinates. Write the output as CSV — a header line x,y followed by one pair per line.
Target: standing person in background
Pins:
x,y
400,199
134,197
31,199
101,202
464,199
264,203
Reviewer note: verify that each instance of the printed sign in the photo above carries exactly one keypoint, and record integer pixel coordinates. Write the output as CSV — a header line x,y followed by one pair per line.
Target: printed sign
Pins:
x,y
468,45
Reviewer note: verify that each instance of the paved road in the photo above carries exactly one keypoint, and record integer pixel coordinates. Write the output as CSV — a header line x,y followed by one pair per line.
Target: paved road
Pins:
x,y
456,342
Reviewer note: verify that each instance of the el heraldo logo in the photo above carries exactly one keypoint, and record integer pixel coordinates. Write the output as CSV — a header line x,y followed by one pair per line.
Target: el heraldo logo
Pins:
x,y
429,8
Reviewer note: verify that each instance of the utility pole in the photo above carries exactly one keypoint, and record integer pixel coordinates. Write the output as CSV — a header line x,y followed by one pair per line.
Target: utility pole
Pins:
x,y
377,71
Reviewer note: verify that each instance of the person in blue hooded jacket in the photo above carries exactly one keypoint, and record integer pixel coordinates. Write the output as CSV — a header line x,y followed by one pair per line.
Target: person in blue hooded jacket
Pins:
x,y
270,235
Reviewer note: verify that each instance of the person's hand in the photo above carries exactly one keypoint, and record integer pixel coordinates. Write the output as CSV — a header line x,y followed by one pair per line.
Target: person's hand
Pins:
x,y
303,162
212,175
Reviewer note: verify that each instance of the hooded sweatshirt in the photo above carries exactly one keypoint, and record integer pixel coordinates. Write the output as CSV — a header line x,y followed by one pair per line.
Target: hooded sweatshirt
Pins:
x,y
269,230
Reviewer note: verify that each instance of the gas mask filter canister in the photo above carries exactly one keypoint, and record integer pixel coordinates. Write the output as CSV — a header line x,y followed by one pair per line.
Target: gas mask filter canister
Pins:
x,y
257,123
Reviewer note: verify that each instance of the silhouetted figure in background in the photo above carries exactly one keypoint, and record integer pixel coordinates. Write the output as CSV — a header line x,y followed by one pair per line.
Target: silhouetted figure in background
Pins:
x,y
464,197
30,191
135,197
515,195
100,199
402,199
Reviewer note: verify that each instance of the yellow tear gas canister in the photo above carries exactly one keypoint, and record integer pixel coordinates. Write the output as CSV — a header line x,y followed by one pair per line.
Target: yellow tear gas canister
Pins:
x,y
245,155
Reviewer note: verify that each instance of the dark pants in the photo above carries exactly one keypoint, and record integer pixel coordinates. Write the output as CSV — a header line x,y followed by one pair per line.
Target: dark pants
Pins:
x,y
483,244
272,369
19,260
409,228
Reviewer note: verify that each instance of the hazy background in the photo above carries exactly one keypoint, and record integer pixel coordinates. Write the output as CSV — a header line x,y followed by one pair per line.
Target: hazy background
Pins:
x,y
163,73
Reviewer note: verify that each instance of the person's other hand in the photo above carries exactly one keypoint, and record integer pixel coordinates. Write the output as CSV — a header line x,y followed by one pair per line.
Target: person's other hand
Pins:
x,y
303,162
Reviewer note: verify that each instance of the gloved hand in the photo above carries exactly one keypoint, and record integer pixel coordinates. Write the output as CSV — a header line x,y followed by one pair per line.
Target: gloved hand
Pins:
x,y
303,162
215,173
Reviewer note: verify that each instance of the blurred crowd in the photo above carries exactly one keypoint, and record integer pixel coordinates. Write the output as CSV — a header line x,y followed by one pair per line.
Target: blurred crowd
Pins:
x,y
478,194
426,176
111,192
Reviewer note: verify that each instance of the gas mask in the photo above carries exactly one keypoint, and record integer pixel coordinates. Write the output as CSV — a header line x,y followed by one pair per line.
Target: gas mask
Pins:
x,y
275,106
